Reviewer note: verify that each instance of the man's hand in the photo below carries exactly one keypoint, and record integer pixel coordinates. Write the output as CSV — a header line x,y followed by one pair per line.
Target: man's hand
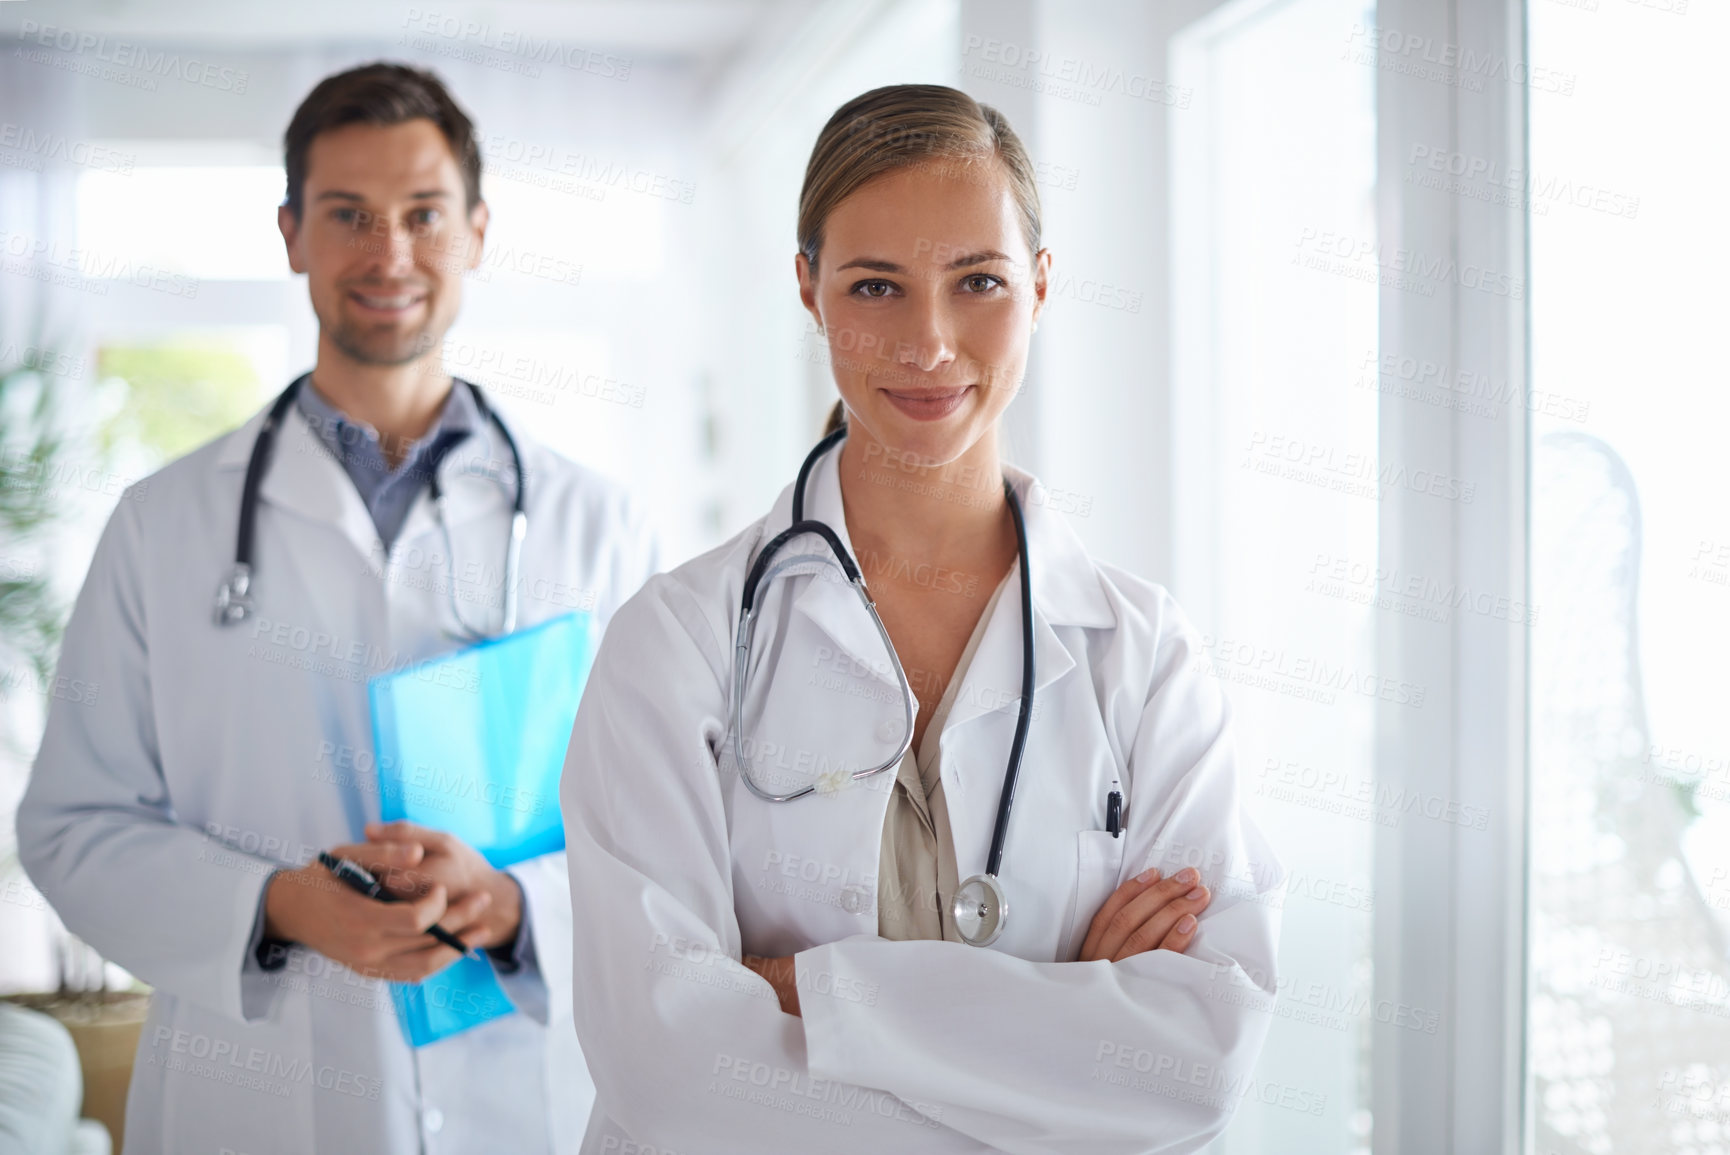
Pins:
x,y
1146,914
412,861
377,939
780,974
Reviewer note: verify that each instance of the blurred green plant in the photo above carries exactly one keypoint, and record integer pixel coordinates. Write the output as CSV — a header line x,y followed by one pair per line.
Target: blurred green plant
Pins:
x,y
180,394
176,396
165,399
32,443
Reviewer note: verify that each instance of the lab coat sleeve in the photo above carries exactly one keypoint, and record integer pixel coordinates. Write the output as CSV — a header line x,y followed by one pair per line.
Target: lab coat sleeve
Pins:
x,y
652,557
540,984
1145,1055
689,1049
97,829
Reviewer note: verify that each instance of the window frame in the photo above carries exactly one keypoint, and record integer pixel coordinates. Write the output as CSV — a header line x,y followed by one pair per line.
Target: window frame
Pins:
x,y
1453,937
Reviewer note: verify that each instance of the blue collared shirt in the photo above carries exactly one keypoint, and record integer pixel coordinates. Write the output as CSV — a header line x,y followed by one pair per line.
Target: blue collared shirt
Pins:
x,y
388,493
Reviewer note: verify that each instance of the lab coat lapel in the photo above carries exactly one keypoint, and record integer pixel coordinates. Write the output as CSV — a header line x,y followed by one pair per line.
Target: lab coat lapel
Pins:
x,y
832,605
819,882
980,729
1066,593
992,683
479,480
303,478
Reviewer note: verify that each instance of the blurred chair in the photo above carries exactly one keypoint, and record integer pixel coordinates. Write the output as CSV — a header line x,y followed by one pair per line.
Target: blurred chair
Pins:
x,y
42,1089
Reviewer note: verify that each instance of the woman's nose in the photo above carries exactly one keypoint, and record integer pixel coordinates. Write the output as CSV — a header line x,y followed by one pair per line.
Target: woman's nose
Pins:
x,y
929,346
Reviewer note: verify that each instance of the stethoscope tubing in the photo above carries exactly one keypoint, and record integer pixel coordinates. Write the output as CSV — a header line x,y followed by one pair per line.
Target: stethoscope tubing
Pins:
x,y
256,464
233,596
1024,716
761,571
742,661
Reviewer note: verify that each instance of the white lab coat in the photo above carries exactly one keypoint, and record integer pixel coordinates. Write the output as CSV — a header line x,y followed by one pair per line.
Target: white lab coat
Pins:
x,y
909,1046
195,759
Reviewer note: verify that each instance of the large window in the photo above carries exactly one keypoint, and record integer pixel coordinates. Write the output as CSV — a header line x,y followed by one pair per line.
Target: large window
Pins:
x,y
1274,383
1629,1008
207,222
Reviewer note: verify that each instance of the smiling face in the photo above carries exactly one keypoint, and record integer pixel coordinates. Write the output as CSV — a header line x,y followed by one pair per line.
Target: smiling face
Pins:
x,y
927,293
384,239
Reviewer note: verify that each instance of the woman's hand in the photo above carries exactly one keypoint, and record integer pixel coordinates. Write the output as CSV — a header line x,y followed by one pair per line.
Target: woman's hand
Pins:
x,y
780,974
1146,914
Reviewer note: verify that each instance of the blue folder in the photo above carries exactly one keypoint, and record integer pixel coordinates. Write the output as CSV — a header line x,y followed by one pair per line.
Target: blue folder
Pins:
x,y
473,743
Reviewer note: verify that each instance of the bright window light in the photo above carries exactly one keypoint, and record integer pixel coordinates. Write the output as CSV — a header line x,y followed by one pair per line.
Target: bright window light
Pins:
x,y
213,223
611,232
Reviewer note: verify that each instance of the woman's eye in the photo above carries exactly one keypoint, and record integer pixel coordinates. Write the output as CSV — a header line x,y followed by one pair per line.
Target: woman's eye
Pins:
x,y
981,282
873,289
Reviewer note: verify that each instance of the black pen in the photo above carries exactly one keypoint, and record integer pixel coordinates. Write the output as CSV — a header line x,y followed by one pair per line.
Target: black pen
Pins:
x,y
360,880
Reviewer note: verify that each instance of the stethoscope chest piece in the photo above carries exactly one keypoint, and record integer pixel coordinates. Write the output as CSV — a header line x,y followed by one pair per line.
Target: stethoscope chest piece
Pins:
x,y
980,910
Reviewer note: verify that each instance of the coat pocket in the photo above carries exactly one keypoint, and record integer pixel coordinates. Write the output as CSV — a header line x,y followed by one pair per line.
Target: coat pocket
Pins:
x,y
1098,862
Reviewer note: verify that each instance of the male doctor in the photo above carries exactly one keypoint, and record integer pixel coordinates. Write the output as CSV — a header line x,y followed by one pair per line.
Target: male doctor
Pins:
x,y
175,816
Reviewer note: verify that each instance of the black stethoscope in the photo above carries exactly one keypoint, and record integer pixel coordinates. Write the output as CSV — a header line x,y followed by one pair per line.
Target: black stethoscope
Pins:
x,y
980,908
234,596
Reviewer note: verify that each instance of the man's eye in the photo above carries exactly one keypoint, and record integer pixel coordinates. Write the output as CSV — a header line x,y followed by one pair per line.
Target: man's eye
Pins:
x,y
423,220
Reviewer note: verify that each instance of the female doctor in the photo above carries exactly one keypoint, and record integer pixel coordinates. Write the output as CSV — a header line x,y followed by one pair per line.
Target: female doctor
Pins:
x,y
1038,921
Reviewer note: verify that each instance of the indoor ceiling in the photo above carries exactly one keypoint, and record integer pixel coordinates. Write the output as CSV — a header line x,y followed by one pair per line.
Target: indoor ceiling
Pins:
x,y
693,31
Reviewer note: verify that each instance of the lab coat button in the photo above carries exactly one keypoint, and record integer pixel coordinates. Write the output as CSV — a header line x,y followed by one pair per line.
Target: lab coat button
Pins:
x,y
888,731
433,1120
855,899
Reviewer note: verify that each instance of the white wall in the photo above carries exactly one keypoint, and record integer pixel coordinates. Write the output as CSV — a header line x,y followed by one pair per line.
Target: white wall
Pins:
x,y
767,385
1095,108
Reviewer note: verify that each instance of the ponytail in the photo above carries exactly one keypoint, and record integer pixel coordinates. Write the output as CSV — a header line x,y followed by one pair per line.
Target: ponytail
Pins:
x,y
837,418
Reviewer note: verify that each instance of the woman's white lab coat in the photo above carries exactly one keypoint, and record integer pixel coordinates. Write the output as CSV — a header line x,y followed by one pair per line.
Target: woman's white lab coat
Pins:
x,y
909,1046
196,759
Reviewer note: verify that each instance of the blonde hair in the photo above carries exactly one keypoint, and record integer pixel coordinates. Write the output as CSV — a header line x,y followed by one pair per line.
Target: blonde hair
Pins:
x,y
906,126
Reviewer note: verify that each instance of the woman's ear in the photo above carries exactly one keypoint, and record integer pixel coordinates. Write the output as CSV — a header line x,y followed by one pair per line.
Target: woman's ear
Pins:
x,y
1041,282
808,288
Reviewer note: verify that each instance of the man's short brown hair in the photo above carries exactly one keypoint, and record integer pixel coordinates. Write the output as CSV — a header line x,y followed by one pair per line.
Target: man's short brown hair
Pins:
x,y
380,94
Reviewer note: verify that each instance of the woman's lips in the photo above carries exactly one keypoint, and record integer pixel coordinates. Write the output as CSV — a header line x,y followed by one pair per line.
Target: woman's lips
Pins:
x,y
928,405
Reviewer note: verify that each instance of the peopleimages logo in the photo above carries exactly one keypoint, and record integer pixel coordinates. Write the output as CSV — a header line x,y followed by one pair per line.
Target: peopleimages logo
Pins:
x,y
57,146
1066,77
152,62
1480,177
517,46
1356,472
1427,58
1412,270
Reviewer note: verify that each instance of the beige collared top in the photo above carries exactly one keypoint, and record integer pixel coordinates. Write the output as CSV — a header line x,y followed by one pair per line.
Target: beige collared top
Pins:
x,y
917,875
